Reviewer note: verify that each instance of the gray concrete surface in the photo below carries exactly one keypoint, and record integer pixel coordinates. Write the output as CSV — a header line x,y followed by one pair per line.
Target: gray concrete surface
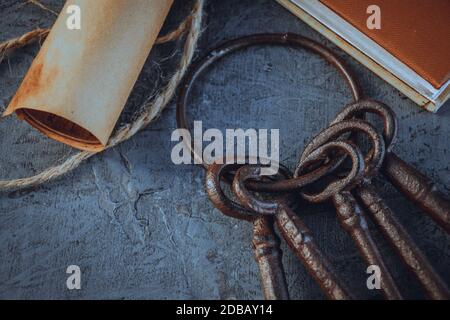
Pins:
x,y
141,227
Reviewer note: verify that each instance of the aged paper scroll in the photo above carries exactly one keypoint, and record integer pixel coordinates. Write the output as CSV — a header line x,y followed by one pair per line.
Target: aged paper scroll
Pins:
x,y
79,83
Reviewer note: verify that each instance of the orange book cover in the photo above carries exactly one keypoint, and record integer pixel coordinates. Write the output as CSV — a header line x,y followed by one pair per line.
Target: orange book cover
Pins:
x,y
417,32
410,49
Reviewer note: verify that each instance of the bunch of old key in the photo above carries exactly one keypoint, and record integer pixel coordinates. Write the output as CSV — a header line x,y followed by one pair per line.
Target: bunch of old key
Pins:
x,y
336,156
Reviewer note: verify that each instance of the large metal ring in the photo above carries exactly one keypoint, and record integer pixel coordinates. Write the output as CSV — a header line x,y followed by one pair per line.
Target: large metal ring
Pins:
x,y
272,39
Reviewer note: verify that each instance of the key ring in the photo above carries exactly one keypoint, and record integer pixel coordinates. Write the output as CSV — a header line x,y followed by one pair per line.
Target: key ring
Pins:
x,y
267,39
349,211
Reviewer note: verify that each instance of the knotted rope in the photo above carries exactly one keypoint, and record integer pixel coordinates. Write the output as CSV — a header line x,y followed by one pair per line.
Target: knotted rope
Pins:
x,y
149,111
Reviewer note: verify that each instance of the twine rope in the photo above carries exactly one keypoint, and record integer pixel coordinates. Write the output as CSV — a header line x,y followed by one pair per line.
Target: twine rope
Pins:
x,y
149,112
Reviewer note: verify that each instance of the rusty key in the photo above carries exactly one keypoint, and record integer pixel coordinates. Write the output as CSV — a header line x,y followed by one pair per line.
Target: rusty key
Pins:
x,y
405,246
266,248
417,187
382,215
266,244
294,231
350,214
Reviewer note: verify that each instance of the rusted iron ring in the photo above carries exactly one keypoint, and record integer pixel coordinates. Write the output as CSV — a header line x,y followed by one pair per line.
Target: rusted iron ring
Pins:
x,y
269,39
360,108
214,176
263,207
374,158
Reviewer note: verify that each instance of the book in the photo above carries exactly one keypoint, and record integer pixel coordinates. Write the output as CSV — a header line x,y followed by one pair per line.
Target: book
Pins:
x,y
409,48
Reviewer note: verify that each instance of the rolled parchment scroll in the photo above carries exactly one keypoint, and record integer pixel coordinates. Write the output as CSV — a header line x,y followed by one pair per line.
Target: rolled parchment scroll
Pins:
x,y
79,83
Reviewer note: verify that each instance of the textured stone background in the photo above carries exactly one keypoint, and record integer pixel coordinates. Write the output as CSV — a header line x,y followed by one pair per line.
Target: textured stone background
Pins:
x,y
141,227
